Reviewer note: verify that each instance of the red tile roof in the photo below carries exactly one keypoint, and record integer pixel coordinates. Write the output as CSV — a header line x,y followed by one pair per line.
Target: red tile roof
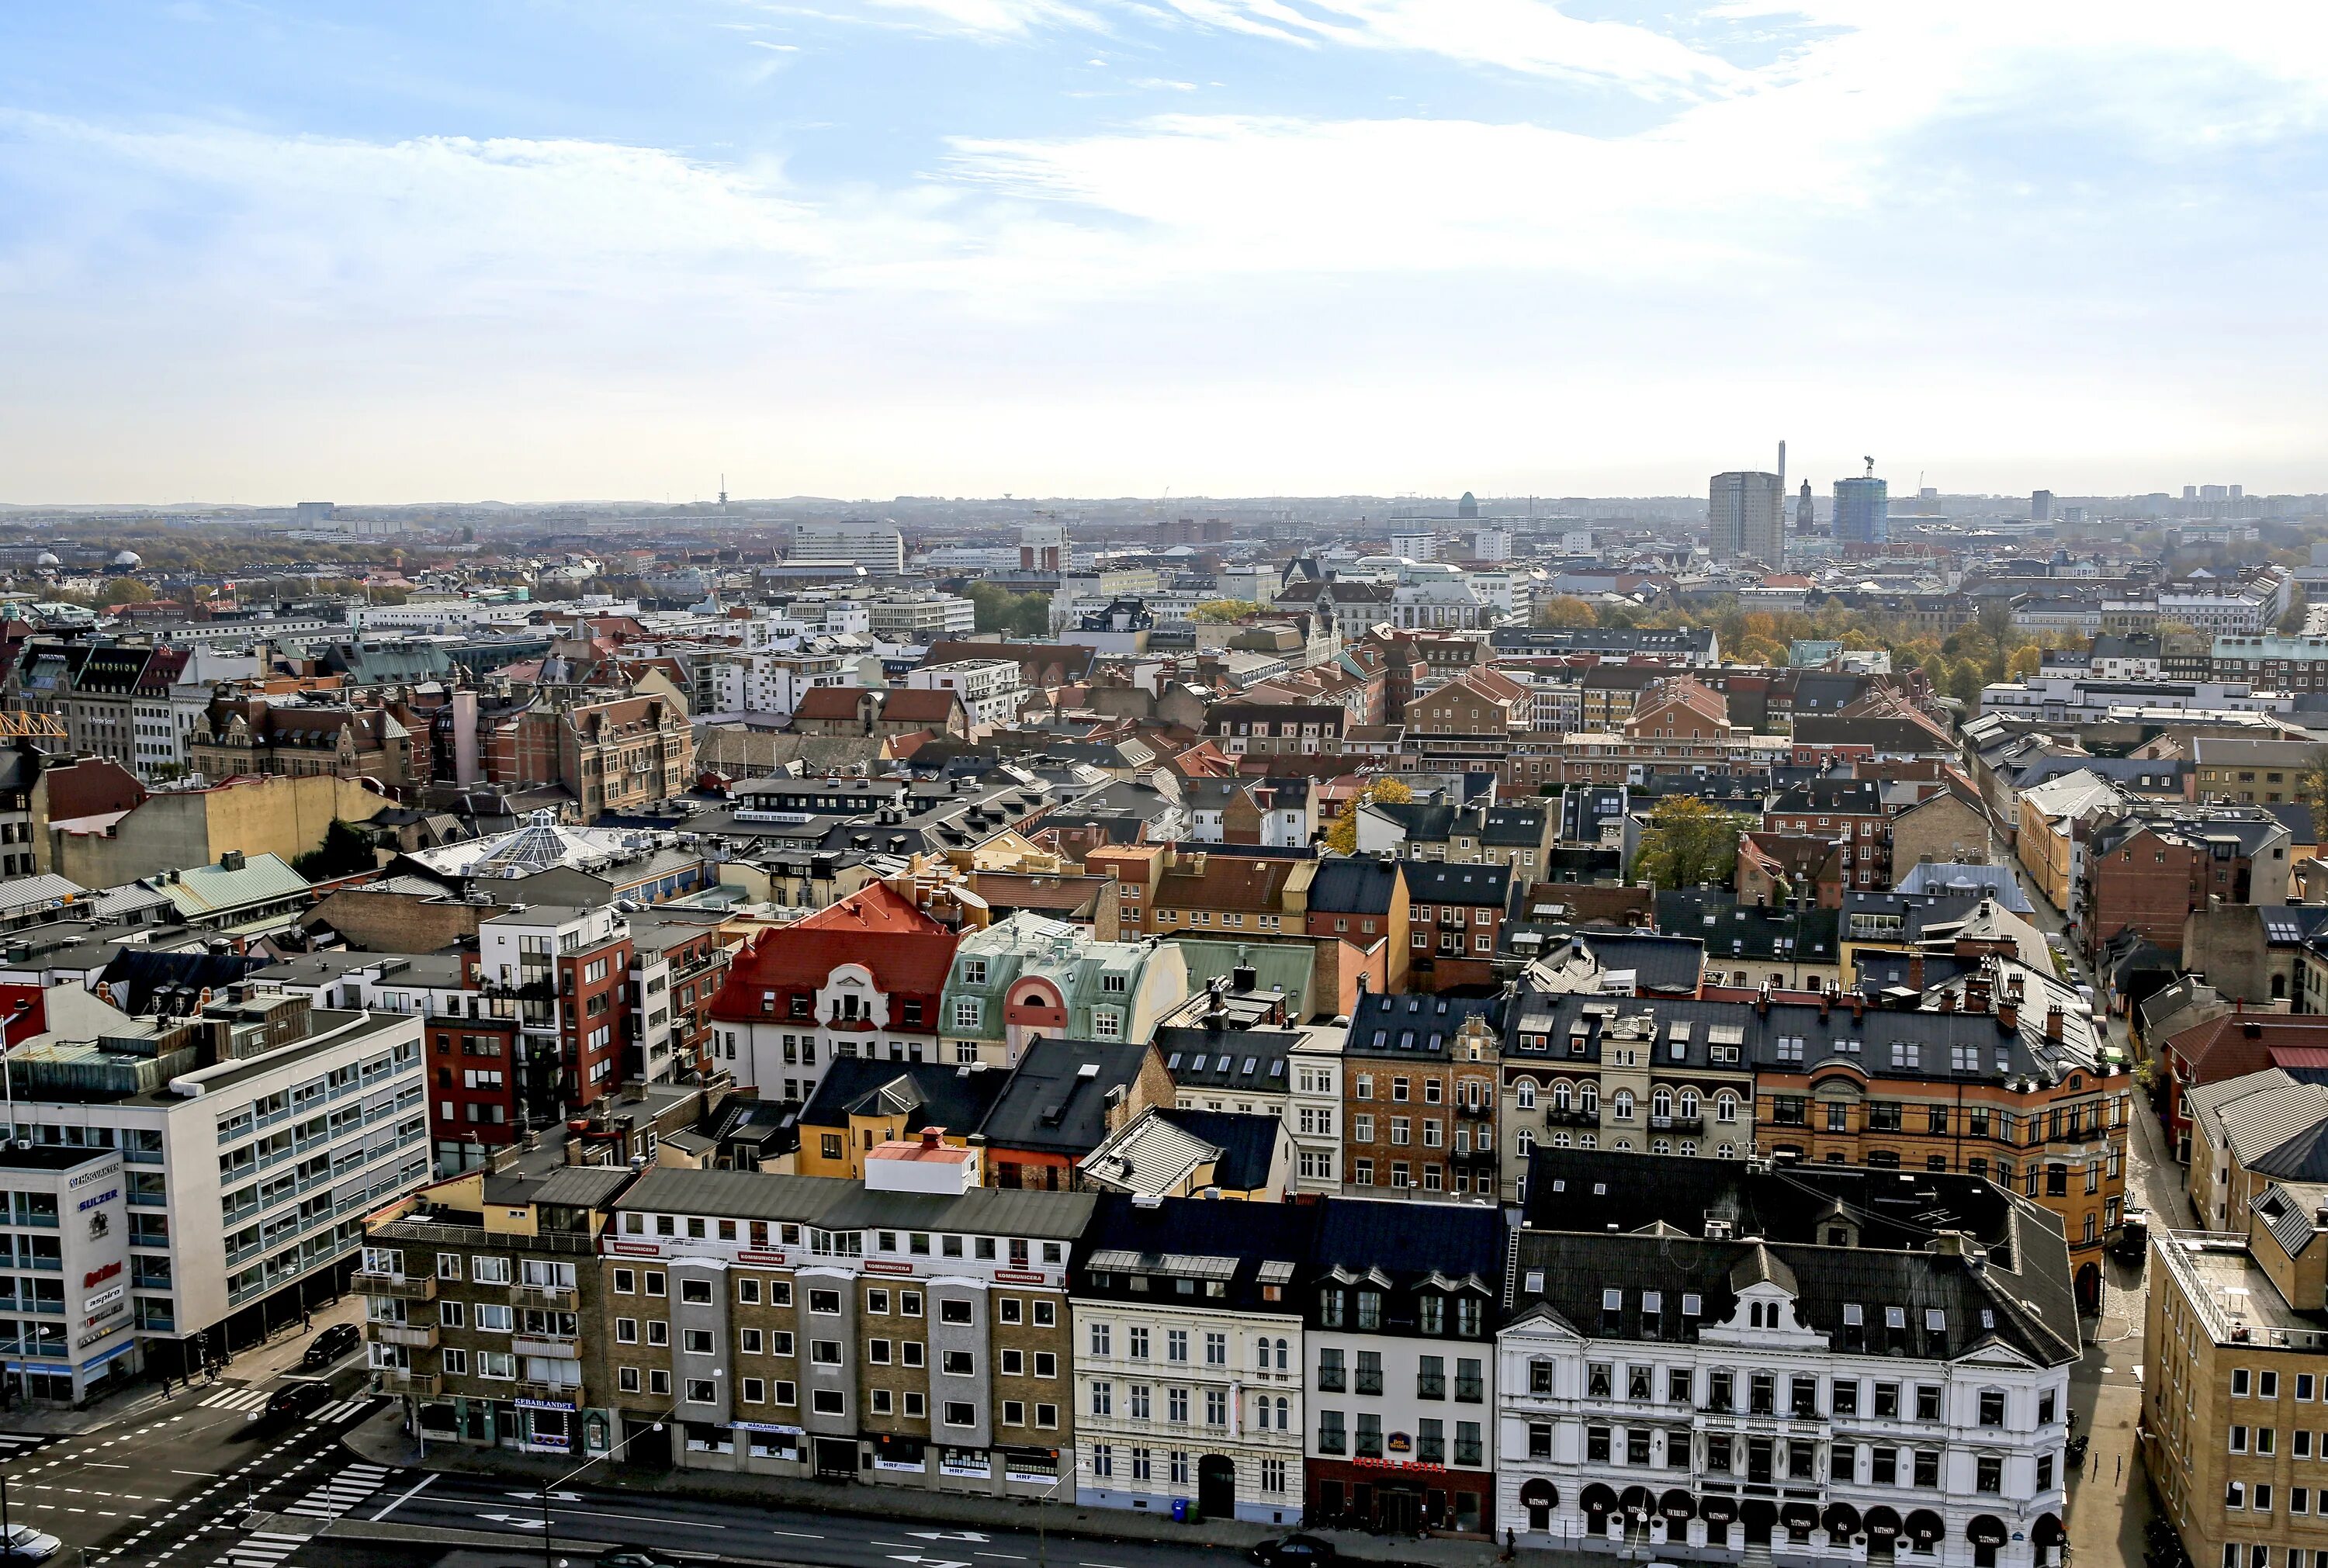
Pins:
x,y
906,953
910,705
829,702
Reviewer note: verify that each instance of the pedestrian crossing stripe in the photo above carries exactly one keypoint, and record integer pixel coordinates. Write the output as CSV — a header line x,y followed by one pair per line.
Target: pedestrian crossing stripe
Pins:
x,y
244,1399
341,1493
345,1409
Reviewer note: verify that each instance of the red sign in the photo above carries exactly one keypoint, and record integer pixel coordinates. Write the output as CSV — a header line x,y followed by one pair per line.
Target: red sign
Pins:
x,y
636,1249
1020,1276
760,1258
883,1266
95,1276
1369,1464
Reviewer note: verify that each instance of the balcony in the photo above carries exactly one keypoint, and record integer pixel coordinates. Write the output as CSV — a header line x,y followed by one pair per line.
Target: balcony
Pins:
x,y
1690,1124
404,1334
551,1392
1370,1380
554,1298
403,1287
1559,1117
536,1345
398,1380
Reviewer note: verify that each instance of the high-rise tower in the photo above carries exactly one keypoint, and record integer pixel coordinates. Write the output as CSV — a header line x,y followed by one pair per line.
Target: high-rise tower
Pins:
x,y
1745,516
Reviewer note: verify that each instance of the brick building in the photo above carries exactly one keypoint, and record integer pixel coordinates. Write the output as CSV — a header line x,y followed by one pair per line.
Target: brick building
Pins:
x,y
1419,1109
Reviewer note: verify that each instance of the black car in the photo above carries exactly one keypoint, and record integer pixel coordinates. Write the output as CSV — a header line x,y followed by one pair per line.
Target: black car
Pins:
x,y
298,1398
1292,1551
329,1346
631,1560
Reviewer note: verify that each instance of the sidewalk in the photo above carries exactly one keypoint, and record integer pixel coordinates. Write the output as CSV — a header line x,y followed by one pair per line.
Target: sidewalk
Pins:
x,y
145,1397
382,1441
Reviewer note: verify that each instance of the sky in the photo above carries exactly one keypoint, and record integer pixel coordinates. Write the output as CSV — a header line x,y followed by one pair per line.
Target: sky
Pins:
x,y
541,249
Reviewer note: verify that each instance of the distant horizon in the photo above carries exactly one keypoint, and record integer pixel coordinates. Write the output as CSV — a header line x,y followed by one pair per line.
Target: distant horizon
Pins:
x,y
1219,247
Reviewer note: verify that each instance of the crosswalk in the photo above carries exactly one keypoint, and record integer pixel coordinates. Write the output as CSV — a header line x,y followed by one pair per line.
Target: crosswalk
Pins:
x,y
262,1549
247,1401
12,1444
343,1491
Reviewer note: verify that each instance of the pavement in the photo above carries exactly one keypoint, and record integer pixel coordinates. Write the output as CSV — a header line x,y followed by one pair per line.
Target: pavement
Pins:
x,y
491,1494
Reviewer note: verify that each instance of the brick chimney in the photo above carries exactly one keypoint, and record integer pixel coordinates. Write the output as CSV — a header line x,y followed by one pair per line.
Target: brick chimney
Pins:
x,y
1915,971
2053,1024
2008,1016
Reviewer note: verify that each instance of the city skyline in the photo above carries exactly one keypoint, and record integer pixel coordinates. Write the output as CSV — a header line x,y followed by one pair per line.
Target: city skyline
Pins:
x,y
1218,246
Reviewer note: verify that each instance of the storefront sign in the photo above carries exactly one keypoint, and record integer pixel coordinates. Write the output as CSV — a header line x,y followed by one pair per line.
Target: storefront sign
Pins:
x,y
977,1470
769,1426
917,1468
1020,1276
635,1249
554,1441
98,1276
767,1260
1424,1466
102,1299
542,1404
884,1267
107,1195
1400,1443
1031,1478
94,1334
104,1173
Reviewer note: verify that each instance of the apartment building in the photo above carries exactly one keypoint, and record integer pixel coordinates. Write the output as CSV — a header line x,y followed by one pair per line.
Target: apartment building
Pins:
x,y
1030,975
1849,812
910,1330
66,1267
877,546
1455,920
1242,728
484,1295
1399,1326
678,965
569,970
253,1137
1189,1356
1710,1362
990,689
863,977
918,620
2235,1362
1419,1111
1589,1072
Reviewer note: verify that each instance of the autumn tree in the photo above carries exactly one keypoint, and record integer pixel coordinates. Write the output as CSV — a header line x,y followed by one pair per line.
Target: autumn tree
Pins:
x,y
1565,612
1687,841
1342,834
2024,663
1226,609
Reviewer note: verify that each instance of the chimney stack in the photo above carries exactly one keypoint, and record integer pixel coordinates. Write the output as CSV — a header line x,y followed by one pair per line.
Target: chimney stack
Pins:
x,y
2008,1016
1915,971
2053,1024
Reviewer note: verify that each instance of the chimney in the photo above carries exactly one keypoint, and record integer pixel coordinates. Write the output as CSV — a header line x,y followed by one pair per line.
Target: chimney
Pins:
x,y
930,1137
2008,1016
1916,970
1947,1001
1763,1000
2053,1024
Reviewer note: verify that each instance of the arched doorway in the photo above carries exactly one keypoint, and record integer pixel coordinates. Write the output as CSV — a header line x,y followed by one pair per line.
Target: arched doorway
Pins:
x,y
2090,1290
1216,1486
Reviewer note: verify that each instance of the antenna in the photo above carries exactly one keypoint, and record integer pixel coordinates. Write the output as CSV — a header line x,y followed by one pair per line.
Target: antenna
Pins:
x,y
1871,466
723,492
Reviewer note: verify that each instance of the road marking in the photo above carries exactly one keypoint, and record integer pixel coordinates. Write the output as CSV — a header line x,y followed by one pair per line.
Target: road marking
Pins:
x,y
797,1535
211,1473
400,1502
101,1465
1006,1556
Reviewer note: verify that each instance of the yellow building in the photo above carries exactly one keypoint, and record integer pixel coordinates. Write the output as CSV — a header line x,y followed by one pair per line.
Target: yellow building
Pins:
x,y
2233,1376
2049,816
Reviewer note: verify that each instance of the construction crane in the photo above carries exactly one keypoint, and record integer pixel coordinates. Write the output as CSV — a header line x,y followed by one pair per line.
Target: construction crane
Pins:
x,y
23,724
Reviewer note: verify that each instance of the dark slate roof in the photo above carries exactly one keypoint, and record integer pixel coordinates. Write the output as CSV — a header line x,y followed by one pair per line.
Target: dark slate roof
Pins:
x,y
2296,816
1425,821
1833,797
1058,1098
2018,1296
1352,885
1879,972
1247,1142
1416,1026
1191,1242
137,975
1521,827
1440,882
935,1094
1250,1059
1668,964
1412,1241
1732,930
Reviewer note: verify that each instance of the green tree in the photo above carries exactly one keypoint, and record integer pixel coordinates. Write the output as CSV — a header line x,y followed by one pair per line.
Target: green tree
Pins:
x,y
1226,609
1965,681
1687,841
346,850
1015,614
1342,834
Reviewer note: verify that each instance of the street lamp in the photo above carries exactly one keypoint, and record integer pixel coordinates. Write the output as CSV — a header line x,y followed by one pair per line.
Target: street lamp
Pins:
x,y
656,1425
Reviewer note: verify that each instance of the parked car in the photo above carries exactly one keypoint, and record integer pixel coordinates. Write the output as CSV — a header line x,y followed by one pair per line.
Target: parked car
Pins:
x,y
631,1560
26,1545
298,1396
338,1340
1292,1551
2133,1243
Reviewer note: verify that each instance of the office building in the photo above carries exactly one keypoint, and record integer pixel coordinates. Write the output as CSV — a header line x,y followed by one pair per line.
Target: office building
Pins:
x,y
1863,512
877,546
1746,516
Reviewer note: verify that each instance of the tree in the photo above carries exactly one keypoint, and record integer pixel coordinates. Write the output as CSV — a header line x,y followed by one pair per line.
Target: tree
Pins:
x,y
1565,611
1997,620
1342,834
1687,841
2299,606
1226,609
2311,783
2024,663
1965,681
128,591
1000,610
346,850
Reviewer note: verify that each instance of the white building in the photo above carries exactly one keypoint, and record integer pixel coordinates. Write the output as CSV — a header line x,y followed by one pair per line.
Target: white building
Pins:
x,y
877,546
1682,1390
1491,544
1419,545
989,687
1314,1108
1188,1358
249,1154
